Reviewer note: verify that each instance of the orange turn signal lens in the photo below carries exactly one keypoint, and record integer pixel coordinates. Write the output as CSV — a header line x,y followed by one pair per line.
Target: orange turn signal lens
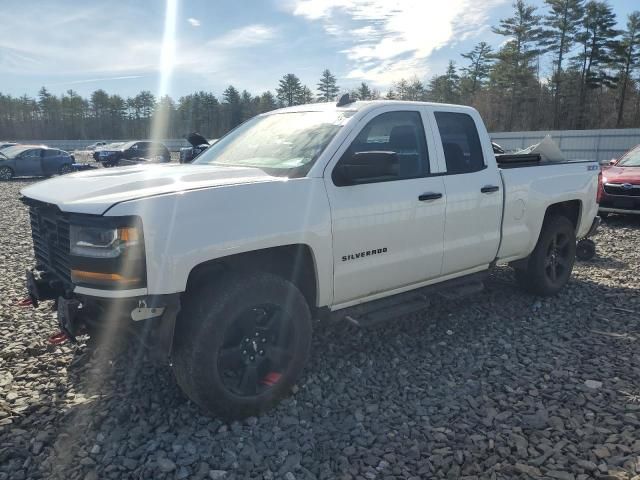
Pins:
x,y
83,276
128,234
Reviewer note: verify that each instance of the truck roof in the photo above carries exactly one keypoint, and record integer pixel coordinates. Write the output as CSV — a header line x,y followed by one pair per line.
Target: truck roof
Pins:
x,y
361,105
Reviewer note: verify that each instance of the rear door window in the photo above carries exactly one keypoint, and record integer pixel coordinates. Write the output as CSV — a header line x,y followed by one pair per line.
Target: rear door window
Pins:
x,y
460,142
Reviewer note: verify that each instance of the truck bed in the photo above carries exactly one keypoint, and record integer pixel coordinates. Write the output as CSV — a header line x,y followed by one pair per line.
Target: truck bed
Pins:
x,y
528,193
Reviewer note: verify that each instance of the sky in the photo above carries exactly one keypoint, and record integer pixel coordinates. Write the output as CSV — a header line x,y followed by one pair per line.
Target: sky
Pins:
x,y
177,47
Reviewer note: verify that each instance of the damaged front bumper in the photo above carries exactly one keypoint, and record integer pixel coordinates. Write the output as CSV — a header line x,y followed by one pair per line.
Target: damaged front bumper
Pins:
x,y
150,318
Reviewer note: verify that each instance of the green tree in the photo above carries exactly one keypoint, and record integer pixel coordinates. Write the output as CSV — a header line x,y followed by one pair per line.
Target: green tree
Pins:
x,y
518,54
363,92
231,100
561,26
598,39
327,87
628,58
445,88
480,63
289,90
304,96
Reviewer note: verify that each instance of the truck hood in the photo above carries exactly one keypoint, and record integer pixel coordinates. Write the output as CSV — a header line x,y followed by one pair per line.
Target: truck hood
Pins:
x,y
615,174
95,191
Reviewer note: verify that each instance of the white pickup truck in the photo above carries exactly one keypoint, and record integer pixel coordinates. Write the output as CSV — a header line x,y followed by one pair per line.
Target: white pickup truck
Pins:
x,y
357,207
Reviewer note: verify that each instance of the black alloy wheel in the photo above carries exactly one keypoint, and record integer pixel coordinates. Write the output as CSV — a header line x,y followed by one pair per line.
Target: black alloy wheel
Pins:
x,y
557,261
256,350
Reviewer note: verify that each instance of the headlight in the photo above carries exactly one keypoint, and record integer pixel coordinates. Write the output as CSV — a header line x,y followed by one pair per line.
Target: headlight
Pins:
x,y
107,253
102,242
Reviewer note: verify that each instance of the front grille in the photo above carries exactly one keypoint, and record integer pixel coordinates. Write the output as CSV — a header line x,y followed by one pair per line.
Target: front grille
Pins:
x,y
622,190
50,232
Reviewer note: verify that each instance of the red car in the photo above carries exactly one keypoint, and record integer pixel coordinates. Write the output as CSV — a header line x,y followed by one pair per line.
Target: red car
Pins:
x,y
619,190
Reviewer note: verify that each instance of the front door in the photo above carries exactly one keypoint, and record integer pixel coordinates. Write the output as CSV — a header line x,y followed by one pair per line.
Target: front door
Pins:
x,y
387,228
28,163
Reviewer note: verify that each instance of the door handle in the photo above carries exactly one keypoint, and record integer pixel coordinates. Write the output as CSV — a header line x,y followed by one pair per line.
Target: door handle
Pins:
x,y
425,197
490,188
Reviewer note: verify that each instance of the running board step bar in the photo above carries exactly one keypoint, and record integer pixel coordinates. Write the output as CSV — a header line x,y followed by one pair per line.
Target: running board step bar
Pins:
x,y
380,311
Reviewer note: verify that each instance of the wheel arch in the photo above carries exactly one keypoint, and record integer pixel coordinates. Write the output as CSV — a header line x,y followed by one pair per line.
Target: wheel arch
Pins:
x,y
572,209
294,262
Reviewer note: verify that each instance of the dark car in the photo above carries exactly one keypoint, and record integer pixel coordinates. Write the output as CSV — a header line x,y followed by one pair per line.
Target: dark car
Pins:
x,y
132,153
619,190
34,161
198,145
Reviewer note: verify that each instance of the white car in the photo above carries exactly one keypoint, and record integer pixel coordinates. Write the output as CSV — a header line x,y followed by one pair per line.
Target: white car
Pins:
x,y
356,209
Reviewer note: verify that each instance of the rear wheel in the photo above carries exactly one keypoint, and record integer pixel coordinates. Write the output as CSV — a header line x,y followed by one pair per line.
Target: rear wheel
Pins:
x,y
241,345
64,169
550,264
6,173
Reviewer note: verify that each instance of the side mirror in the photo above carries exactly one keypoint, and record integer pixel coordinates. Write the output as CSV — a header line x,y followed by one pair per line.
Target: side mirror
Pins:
x,y
365,167
613,161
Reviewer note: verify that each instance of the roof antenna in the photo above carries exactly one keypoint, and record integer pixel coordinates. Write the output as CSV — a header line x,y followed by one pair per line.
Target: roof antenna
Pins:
x,y
344,100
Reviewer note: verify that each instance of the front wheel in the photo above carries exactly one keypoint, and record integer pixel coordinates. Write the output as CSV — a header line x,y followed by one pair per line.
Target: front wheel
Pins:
x,y
550,264
242,343
6,173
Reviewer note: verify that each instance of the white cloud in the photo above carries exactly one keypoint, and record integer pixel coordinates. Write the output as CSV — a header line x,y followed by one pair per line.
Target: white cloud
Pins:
x,y
389,39
72,45
246,36
194,22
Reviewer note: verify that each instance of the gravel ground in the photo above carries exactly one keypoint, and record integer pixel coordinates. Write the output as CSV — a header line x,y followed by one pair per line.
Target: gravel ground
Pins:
x,y
499,385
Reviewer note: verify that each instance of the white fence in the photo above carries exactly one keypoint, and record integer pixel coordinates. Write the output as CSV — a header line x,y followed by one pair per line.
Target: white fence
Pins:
x,y
576,144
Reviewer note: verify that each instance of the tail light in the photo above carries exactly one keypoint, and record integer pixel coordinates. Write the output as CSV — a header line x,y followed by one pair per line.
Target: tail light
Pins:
x,y
600,188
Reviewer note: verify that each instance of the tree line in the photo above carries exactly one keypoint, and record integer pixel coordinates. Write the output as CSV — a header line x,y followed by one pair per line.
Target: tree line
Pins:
x,y
594,83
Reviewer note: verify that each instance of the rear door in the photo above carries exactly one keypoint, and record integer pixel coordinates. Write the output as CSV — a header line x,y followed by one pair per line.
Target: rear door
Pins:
x,y
387,231
473,189
28,163
51,161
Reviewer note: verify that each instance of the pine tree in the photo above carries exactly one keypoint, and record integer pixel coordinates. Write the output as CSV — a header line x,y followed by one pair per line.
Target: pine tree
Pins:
x,y
598,40
558,37
327,87
445,88
628,58
518,54
479,67
231,100
288,91
304,96
363,92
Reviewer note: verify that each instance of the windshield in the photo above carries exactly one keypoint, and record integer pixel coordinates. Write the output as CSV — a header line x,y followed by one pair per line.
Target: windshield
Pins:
x,y
282,144
11,152
631,158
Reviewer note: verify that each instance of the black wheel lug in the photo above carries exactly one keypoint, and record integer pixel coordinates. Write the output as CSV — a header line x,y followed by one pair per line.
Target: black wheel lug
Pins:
x,y
257,334
252,358
244,352
261,352
264,340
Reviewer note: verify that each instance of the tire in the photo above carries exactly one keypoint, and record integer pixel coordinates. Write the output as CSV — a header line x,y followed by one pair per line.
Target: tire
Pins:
x,y
242,343
6,173
65,168
585,249
550,264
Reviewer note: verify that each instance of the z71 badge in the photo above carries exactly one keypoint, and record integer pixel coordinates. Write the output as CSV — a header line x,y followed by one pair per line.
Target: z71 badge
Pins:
x,y
366,253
